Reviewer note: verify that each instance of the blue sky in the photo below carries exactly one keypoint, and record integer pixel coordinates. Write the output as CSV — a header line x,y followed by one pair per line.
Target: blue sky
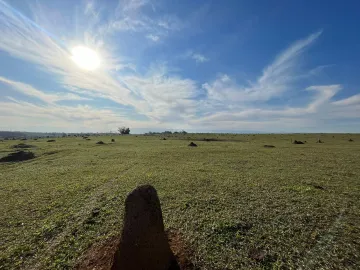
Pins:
x,y
204,66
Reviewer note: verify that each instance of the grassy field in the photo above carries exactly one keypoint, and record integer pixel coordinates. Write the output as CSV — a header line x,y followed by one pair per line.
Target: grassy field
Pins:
x,y
297,206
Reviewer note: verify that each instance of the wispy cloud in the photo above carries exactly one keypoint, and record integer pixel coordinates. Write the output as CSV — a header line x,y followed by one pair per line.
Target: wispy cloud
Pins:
x,y
353,100
276,78
199,58
153,37
154,91
33,92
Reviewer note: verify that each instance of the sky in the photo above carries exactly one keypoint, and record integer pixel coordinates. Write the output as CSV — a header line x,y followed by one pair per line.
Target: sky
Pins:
x,y
201,66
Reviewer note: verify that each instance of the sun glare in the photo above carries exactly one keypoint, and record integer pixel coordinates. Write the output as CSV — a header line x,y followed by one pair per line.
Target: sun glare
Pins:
x,y
85,58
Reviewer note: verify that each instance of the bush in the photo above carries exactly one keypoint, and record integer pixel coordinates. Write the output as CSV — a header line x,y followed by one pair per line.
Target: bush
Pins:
x,y
124,130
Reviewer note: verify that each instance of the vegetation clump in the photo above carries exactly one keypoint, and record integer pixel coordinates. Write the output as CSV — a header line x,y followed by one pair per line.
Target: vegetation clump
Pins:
x,y
22,145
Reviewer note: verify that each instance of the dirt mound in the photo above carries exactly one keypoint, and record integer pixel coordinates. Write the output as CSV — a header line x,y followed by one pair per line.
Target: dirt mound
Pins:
x,y
100,142
18,156
22,145
143,243
269,146
192,144
298,142
50,140
180,249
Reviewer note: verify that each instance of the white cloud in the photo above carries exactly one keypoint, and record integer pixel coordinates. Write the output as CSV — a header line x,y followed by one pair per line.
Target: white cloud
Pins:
x,y
153,37
276,78
171,23
353,100
199,58
162,96
131,5
324,94
46,97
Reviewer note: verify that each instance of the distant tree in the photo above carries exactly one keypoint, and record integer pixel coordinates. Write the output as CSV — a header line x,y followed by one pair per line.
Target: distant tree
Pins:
x,y
124,130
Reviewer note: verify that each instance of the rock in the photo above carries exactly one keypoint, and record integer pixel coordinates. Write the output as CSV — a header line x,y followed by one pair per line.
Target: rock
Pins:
x,y
143,243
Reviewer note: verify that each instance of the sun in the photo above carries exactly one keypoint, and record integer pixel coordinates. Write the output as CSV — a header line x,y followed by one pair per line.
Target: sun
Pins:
x,y
85,58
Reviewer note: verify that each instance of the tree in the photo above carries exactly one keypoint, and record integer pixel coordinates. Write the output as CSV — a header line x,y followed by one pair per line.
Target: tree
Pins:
x,y
124,130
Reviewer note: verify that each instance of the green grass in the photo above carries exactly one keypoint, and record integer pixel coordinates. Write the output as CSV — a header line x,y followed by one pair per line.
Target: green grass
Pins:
x,y
298,203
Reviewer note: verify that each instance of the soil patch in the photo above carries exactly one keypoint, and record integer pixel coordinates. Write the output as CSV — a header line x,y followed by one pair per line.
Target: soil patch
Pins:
x,y
18,156
100,256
